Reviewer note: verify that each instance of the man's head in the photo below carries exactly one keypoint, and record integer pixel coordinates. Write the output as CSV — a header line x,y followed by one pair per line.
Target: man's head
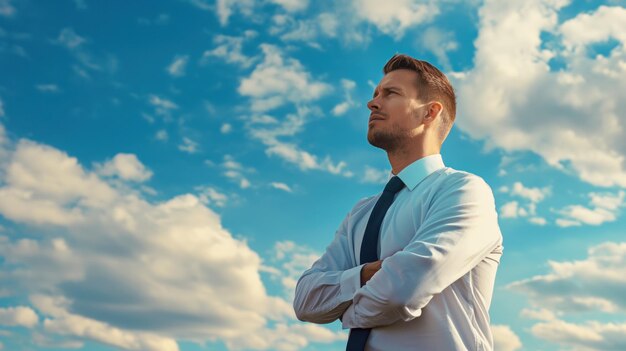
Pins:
x,y
413,100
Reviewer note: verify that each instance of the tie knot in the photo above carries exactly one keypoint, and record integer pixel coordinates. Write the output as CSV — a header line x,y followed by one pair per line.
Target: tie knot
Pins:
x,y
394,185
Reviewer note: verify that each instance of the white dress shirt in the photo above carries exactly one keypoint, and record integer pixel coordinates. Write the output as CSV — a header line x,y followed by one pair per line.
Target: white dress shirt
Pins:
x,y
441,246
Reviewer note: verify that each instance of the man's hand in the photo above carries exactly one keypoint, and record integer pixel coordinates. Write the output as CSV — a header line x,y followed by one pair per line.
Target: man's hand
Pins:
x,y
369,270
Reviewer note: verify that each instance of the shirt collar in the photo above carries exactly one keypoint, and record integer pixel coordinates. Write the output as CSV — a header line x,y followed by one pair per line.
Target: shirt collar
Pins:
x,y
414,173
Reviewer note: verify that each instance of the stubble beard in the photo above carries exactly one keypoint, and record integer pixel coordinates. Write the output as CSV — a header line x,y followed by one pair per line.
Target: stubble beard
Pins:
x,y
389,140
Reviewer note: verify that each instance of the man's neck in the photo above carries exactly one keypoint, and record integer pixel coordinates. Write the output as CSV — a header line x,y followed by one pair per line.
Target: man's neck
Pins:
x,y
399,159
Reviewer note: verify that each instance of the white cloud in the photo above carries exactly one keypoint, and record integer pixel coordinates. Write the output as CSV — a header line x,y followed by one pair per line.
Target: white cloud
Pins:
x,y
542,314
292,5
394,17
2,113
535,195
162,106
189,146
230,49
377,176
161,135
343,107
610,202
504,339
288,261
6,8
604,208
585,285
584,29
538,220
286,338
47,88
209,196
278,80
235,171
226,128
137,246
438,42
586,215
281,186
587,336
230,163
512,209
69,38
269,134
570,116
225,8
567,223
63,322
44,185
515,209
125,166
18,316
593,284
177,67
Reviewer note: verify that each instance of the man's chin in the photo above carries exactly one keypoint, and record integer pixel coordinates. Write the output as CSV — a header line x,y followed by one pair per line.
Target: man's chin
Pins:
x,y
378,141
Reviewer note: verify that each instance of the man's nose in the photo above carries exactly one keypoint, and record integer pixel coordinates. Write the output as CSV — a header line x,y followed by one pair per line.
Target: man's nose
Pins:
x,y
373,105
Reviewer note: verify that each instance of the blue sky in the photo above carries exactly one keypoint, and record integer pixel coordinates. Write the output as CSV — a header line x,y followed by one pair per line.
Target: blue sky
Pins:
x,y
168,169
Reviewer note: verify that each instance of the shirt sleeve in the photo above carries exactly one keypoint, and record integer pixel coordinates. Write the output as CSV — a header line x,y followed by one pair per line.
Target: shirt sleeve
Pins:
x,y
324,291
459,230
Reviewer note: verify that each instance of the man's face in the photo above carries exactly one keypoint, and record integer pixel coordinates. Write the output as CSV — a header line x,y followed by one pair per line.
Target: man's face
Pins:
x,y
396,112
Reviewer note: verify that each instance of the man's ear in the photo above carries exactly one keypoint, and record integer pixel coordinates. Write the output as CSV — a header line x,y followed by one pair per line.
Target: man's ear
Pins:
x,y
433,112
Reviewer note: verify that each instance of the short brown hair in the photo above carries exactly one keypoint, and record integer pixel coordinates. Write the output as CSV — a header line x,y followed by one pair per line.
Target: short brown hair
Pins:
x,y
431,84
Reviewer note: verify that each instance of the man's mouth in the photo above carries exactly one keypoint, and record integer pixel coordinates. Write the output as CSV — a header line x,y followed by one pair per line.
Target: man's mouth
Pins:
x,y
376,117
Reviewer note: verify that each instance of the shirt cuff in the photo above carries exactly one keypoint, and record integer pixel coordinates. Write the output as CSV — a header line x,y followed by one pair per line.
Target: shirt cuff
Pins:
x,y
350,282
348,319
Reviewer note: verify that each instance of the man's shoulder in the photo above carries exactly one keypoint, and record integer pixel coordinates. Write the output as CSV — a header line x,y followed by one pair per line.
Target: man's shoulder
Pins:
x,y
450,178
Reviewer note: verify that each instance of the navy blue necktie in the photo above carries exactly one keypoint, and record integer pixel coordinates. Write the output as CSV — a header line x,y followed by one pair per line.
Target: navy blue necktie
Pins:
x,y
369,249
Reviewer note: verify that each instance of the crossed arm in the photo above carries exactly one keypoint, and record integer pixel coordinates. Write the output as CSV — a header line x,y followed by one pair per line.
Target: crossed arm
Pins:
x,y
459,230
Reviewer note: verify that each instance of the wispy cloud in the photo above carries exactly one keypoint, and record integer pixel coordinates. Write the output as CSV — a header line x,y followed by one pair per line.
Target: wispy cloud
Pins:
x,y
18,316
279,80
376,176
230,49
269,131
235,171
504,339
70,39
281,186
602,208
86,60
188,145
343,107
162,106
440,43
47,88
528,209
396,16
292,5
210,196
177,67
226,128
126,167
7,9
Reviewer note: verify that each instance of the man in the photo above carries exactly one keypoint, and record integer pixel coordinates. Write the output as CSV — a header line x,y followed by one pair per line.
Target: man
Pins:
x,y
412,268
